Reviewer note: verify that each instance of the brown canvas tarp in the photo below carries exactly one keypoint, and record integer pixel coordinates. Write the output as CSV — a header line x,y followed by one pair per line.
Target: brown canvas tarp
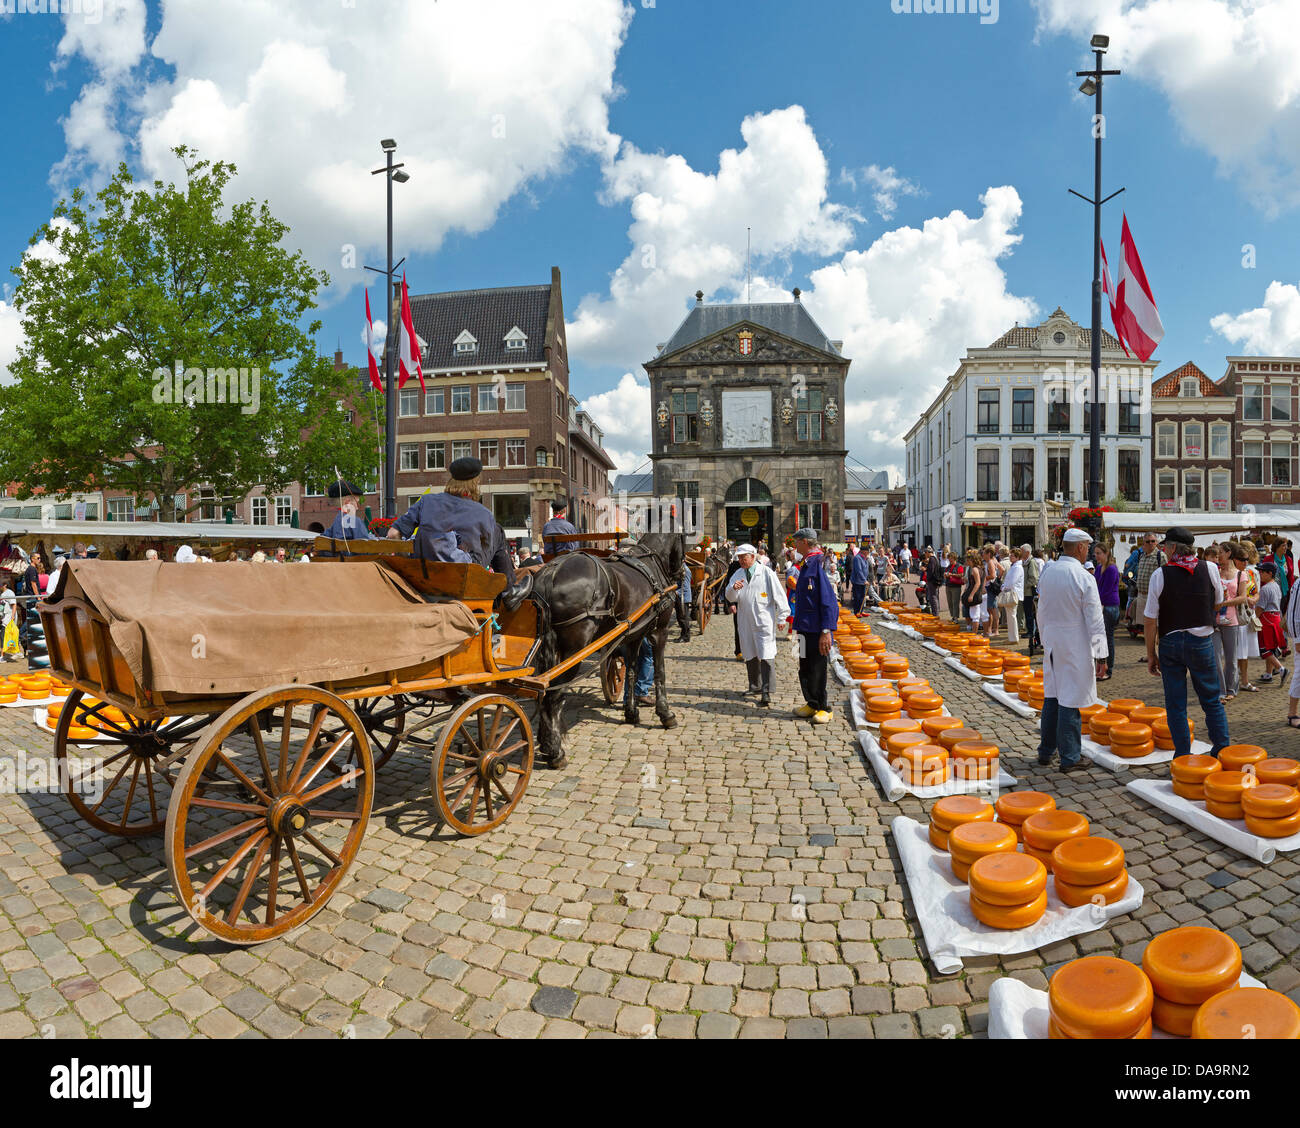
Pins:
x,y
217,628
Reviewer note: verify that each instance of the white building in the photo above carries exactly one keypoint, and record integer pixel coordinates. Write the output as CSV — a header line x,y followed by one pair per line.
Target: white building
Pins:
x,y
1002,452
867,498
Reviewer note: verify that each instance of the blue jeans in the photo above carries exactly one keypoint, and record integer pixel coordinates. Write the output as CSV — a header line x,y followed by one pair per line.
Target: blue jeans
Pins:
x,y
1060,729
645,669
1182,654
859,594
1110,616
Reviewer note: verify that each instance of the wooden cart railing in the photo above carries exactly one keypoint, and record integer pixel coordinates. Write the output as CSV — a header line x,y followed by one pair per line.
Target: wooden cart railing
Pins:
x,y
589,543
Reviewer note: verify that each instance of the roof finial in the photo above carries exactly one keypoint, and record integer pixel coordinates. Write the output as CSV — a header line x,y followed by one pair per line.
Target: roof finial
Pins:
x,y
699,297
796,293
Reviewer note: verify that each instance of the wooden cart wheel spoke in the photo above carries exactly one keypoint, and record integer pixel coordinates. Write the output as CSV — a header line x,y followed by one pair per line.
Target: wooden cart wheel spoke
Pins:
x,y
108,790
506,795
452,780
333,857
227,805
286,730
513,748
452,754
224,836
326,788
459,778
130,793
246,887
297,784
153,800
250,843
260,745
308,743
298,871
273,882
238,773
322,813
487,801
455,803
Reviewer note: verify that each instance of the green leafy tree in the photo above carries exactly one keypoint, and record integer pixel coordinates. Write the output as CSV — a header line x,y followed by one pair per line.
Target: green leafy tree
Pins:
x,y
165,349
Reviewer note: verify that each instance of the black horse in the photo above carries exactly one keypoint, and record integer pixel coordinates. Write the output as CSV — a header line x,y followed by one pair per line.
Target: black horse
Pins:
x,y
581,597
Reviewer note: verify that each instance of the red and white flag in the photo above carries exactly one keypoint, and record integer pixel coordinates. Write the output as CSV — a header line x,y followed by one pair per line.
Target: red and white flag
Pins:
x,y
408,345
370,347
1139,320
1109,290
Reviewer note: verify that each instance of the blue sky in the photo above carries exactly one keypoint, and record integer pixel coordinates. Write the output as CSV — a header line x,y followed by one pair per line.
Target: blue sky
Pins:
x,y
618,115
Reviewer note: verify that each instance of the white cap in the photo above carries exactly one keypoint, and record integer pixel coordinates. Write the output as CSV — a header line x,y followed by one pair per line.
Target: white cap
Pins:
x,y
1088,564
1074,536
740,549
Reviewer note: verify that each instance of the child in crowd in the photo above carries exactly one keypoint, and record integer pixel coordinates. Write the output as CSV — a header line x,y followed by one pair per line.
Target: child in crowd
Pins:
x,y
1269,609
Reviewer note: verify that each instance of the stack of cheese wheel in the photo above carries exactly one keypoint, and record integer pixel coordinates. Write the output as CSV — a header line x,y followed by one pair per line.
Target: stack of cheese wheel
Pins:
x,y
1186,967
871,685
108,719
1147,715
1011,678
1272,810
1086,868
948,641
1278,770
35,687
972,759
1160,734
52,714
950,737
1236,757
1101,724
1223,791
1008,890
909,688
893,665
894,728
1254,1012
953,811
1124,705
1029,682
79,731
873,645
883,707
1086,713
8,694
924,704
1131,740
1043,832
1014,660
1016,806
59,689
1189,774
934,727
973,840
1100,997
922,765
988,664
1034,698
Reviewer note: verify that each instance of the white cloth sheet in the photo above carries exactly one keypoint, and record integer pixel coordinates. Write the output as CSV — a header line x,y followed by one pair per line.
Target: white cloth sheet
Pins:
x,y
1011,701
935,649
1231,832
950,928
28,702
974,675
1100,754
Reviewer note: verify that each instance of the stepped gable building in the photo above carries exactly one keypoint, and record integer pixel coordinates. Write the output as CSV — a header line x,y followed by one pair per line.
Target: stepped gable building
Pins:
x,y
1191,421
748,425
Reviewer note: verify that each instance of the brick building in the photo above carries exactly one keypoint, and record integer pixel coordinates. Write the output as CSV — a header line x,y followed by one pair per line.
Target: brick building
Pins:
x,y
589,468
1267,419
1191,460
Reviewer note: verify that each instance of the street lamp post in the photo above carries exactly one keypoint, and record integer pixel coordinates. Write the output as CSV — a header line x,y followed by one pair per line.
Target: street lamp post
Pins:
x,y
1006,526
1091,87
392,175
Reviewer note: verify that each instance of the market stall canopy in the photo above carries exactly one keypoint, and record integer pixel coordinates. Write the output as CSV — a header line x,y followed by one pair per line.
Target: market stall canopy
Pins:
x,y
191,531
187,629
1207,527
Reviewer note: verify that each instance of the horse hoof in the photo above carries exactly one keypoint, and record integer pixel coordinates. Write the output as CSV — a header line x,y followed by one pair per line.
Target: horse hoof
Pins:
x,y
669,721
557,762
631,719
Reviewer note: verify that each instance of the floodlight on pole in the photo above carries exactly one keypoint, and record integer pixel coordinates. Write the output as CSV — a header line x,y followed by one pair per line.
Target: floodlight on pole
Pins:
x,y
401,177
1088,87
387,143
1099,42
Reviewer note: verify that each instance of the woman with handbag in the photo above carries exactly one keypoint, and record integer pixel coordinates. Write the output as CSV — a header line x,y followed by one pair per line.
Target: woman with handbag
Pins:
x,y
954,579
1107,576
972,596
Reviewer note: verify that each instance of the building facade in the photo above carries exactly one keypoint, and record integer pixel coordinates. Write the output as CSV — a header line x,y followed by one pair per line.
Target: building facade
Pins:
x,y
1267,418
1003,450
748,422
1191,450
589,468
867,504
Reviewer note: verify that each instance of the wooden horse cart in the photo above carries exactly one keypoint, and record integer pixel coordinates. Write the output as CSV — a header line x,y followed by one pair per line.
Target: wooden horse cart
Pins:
x,y
263,795
704,588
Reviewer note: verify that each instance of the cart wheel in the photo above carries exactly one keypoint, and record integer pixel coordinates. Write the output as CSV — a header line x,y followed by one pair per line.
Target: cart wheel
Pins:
x,y
705,613
613,673
384,719
121,783
256,843
482,763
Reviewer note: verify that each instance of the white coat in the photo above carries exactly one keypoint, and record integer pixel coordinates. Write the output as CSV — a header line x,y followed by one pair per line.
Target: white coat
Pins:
x,y
760,604
1069,612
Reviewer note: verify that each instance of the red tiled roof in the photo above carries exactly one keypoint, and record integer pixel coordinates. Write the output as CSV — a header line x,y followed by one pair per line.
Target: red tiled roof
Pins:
x,y
1026,337
1170,385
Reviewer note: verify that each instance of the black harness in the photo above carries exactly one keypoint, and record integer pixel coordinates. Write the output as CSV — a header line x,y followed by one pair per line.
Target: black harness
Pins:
x,y
645,563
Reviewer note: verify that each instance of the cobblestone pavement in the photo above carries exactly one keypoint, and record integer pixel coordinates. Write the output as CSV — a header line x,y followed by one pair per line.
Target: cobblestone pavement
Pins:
x,y
619,899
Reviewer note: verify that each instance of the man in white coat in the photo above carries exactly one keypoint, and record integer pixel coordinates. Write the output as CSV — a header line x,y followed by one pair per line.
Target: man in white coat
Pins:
x,y
1073,633
760,602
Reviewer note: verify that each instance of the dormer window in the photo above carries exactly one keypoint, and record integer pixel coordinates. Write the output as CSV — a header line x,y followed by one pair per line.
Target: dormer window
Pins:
x,y
515,339
1191,387
466,342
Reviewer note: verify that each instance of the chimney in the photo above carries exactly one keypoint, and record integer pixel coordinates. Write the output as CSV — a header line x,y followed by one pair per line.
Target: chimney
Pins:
x,y
796,293
338,359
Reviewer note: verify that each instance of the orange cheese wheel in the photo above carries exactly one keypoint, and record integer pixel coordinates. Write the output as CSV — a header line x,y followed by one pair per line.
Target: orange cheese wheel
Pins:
x,y
1229,811
1023,690
952,811
912,679
1161,729
1193,768
51,722
938,838
1190,964
1100,997
1124,705
1016,806
1272,828
1270,801
1011,679
1279,770
950,737
1102,723
868,684
1087,712
1227,786
1247,1012
1147,715
881,691
1044,856
58,690
1008,879
1054,1031
933,726
975,839
1087,861
1133,751
924,701
81,733
893,728
1008,916
916,712
960,870
908,690
873,646
30,693
875,718
920,757
893,665
1192,791
1236,756
1129,733
921,778
1075,895
971,749
8,697
1014,660
1046,830
975,769
902,740
1174,1018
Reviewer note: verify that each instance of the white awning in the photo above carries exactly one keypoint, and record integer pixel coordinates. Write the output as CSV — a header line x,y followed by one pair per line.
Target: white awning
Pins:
x,y
65,533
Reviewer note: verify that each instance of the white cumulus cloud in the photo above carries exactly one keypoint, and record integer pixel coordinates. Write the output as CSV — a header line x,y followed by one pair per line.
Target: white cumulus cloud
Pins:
x,y
887,184
623,413
1272,329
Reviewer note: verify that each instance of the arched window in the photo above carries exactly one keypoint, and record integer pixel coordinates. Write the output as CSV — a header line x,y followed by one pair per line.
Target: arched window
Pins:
x,y
749,490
